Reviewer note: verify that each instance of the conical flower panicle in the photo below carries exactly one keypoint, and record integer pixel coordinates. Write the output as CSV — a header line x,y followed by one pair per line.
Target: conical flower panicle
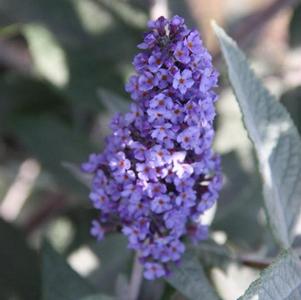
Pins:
x,y
158,173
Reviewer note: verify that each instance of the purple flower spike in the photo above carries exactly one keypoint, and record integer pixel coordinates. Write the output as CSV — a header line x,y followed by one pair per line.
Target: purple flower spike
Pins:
x,y
158,174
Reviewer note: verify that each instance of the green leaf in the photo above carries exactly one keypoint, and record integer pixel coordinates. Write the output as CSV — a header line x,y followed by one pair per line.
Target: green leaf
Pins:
x,y
60,282
30,97
275,138
16,259
281,280
115,259
212,254
189,278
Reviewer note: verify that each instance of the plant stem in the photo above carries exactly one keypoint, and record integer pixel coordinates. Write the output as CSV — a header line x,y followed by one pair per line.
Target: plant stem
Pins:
x,y
136,279
258,264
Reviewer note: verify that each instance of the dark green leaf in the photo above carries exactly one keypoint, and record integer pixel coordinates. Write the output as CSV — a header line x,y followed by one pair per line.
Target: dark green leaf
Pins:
x,y
152,290
60,282
212,254
189,278
16,259
115,258
21,96
77,173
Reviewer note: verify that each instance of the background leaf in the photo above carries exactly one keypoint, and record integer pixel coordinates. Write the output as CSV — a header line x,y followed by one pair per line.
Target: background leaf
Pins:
x,y
49,58
75,170
189,278
282,280
115,259
239,204
52,142
60,282
16,259
275,138
212,254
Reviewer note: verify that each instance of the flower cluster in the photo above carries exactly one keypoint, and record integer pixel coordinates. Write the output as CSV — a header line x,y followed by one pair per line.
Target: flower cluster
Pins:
x,y
158,173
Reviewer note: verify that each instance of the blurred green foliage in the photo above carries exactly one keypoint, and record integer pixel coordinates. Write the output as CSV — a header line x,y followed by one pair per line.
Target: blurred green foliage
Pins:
x,y
17,258
47,111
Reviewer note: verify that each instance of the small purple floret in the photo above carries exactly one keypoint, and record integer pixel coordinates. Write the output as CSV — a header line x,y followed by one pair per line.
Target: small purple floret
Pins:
x,y
183,81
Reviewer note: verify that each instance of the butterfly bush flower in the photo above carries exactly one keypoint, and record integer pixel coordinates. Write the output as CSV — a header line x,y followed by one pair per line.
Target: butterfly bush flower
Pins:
x,y
158,174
